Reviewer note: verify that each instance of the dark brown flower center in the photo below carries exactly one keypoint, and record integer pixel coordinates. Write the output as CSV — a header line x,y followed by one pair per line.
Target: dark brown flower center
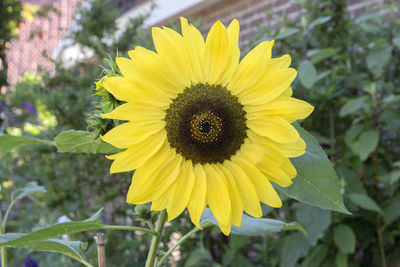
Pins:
x,y
206,124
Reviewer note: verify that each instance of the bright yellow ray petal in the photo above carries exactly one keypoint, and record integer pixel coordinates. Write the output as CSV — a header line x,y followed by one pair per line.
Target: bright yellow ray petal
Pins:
x,y
159,203
169,46
289,108
233,35
120,88
122,112
265,191
218,55
136,112
273,171
272,85
275,128
182,191
251,203
161,181
197,202
140,70
251,68
137,154
237,204
288,92
288,167
289,150
130,133
143,178
279,63
218,198
193,42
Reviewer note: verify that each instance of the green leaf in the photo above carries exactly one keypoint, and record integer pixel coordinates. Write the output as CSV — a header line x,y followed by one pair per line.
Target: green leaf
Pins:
x,y
286,33
316,257
318,55
368,141
27,190
396,42
391,211
199,258
58,229
344,238
307,74
72,249
316,182
314,220
252,226
364,202
82,142
378,58
294,247
341,259
10,142
353,106
319,21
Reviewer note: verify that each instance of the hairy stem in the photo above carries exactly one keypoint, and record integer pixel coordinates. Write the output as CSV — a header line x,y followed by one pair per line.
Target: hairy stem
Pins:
x,y
151,258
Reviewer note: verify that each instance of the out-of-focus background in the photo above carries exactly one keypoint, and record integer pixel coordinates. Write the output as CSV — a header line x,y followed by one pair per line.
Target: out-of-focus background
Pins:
x,y
347,53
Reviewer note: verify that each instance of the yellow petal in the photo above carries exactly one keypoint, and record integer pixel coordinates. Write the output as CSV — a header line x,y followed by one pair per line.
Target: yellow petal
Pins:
x,y
122,112
120,88
272,85
289,150
288,167
237,204
218,198
218,56
169,46
182,190
288,92
251,203
143,178
137,112
197,202
193,42
251,68
289,108
137,154
279,63
157,185
130,133
233,35
265,191
275,128
159,204
271,168
140,71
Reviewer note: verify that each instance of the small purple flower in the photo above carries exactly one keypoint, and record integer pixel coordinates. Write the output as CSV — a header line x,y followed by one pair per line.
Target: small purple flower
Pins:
x,y
30,108
30,262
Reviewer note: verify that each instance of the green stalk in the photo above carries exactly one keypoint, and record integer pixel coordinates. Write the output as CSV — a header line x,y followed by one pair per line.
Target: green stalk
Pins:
x,y
151,258
3,251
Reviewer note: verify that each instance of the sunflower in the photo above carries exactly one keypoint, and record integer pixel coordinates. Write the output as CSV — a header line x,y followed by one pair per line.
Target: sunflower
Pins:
x,y
204,127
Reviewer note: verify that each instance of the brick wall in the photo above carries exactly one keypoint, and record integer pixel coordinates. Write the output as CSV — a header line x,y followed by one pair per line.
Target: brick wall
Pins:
x,y
252,13
41,35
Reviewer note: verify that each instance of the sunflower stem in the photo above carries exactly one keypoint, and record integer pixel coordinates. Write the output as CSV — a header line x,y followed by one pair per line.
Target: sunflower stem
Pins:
x,y
3,251
155,242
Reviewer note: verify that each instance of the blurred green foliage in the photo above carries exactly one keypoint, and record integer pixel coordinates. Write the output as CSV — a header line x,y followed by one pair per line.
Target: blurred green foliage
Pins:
x,y
10,17
348,68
